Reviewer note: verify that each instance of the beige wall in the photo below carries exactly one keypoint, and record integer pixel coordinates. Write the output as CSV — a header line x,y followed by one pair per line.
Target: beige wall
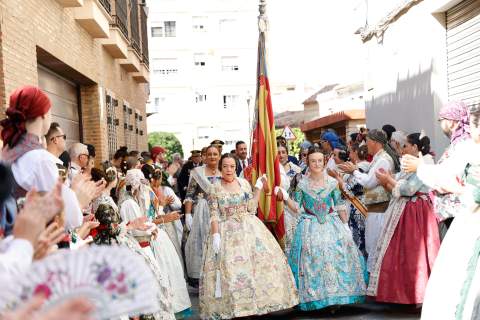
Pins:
x,y
26,24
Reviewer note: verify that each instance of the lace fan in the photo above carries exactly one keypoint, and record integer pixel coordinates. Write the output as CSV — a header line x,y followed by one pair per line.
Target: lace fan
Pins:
x,y
116,280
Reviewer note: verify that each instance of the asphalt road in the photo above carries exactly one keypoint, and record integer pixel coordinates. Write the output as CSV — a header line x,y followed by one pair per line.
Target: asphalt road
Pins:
x,y
368,311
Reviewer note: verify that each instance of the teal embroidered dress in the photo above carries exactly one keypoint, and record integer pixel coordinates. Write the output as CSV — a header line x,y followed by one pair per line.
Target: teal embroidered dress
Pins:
x,y
327,265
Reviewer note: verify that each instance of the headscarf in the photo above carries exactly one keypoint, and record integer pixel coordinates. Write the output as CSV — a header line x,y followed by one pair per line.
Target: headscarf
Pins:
x,y
26,103
332,139
381,137
457,111
155,151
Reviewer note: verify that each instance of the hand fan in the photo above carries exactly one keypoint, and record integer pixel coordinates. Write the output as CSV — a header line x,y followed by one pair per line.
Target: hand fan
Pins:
x,y
114,278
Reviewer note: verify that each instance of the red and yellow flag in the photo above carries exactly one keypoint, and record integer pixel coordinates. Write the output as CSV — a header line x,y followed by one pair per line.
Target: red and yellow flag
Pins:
x,y
265,159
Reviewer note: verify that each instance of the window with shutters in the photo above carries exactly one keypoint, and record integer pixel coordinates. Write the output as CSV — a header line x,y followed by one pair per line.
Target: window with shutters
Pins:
x,y
170,29
157,32
463,52
230,100
112,121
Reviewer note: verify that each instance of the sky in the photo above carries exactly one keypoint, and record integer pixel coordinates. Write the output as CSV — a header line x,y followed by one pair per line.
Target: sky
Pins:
x,y
313,41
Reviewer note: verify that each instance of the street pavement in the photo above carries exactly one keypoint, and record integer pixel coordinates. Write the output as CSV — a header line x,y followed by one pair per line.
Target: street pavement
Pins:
x,y
368,311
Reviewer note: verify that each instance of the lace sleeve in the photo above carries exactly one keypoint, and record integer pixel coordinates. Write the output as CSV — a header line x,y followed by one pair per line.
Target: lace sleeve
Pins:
x,y
191,190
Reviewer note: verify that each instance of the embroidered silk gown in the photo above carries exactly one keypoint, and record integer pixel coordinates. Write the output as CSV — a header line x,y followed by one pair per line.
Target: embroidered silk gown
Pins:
x,y
254,276
327,265
197,193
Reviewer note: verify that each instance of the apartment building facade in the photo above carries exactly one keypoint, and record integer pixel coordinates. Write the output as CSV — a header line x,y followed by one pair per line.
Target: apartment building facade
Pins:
x,y
90,56
203,63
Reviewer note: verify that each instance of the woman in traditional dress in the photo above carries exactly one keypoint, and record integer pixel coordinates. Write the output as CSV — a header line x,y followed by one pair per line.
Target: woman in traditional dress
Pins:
x,y
163,248
113,230
356,220
327,265
201,179
171,204
409,242
244,270
288,170
453,289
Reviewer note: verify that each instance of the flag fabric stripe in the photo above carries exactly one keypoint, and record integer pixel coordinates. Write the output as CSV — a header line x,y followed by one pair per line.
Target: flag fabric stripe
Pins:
x,y
264,149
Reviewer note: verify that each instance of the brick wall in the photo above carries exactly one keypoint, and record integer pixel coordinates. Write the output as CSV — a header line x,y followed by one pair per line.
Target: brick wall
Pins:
x,y
26,24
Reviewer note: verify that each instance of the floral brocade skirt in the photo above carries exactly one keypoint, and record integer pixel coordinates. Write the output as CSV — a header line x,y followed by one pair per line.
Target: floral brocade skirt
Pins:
x,y
326,263
251,272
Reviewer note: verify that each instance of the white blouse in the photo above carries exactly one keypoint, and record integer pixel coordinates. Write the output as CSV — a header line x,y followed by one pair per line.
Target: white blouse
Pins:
x,y
37,169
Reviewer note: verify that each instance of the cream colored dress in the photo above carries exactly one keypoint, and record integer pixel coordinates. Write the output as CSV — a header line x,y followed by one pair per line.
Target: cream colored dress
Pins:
x,y
250,275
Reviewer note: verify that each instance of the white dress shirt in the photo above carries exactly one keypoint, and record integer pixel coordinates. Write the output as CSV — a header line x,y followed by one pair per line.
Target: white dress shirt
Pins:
x,y
37,169
369,180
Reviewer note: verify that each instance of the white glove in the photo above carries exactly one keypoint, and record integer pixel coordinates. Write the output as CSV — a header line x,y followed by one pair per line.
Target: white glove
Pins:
x,y
216,243
283,191
259,183
188,221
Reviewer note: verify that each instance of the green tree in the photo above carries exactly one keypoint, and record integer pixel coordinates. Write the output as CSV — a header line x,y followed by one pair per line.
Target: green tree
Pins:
x,y
293,146
166,140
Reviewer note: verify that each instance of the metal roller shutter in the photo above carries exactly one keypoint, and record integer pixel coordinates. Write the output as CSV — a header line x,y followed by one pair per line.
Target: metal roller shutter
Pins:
x,y
463,51
64,96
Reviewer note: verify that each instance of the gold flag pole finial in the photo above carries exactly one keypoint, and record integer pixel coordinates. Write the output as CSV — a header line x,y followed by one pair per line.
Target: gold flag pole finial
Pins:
x,y
262,18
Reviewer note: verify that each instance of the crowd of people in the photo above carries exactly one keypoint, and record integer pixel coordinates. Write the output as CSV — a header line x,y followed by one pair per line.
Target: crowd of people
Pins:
x,y
372,218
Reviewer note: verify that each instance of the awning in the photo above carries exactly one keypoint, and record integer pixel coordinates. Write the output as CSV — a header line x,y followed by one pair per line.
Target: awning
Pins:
x,y
333,118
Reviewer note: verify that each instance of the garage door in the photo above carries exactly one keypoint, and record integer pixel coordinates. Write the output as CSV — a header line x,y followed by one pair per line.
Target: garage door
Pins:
x,y
463,51
64,96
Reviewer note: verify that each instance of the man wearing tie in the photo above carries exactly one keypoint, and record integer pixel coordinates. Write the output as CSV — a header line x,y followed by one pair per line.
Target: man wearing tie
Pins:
x,y
241,153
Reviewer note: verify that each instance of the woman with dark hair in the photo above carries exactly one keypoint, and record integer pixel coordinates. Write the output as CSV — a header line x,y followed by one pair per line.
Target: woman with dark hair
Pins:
x,y
201,179
327,265
245,272
410,240
356,220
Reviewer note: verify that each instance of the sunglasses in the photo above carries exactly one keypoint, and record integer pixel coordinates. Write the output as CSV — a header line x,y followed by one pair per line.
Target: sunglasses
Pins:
x,y
64,136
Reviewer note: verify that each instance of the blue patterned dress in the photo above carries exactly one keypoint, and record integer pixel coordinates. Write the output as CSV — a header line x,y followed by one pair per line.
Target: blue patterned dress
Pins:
x,y
327,265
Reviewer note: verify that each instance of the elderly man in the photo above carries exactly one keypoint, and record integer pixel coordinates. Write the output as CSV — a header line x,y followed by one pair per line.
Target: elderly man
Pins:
x,y
376,197
79,157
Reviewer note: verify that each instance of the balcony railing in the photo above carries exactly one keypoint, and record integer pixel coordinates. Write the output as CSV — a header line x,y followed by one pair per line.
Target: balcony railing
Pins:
x,y
143,24
120,16
107,5
134,34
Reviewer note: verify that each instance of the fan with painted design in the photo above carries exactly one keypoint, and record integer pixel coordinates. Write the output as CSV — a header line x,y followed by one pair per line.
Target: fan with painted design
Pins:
x,y
114,278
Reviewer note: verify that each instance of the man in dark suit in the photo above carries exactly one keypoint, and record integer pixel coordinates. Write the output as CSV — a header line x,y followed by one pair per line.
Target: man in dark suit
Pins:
x,y
241,153
184,176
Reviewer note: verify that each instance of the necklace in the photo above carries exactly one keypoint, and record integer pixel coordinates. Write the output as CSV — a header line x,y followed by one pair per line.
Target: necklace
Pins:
x,y
214,171
228,181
